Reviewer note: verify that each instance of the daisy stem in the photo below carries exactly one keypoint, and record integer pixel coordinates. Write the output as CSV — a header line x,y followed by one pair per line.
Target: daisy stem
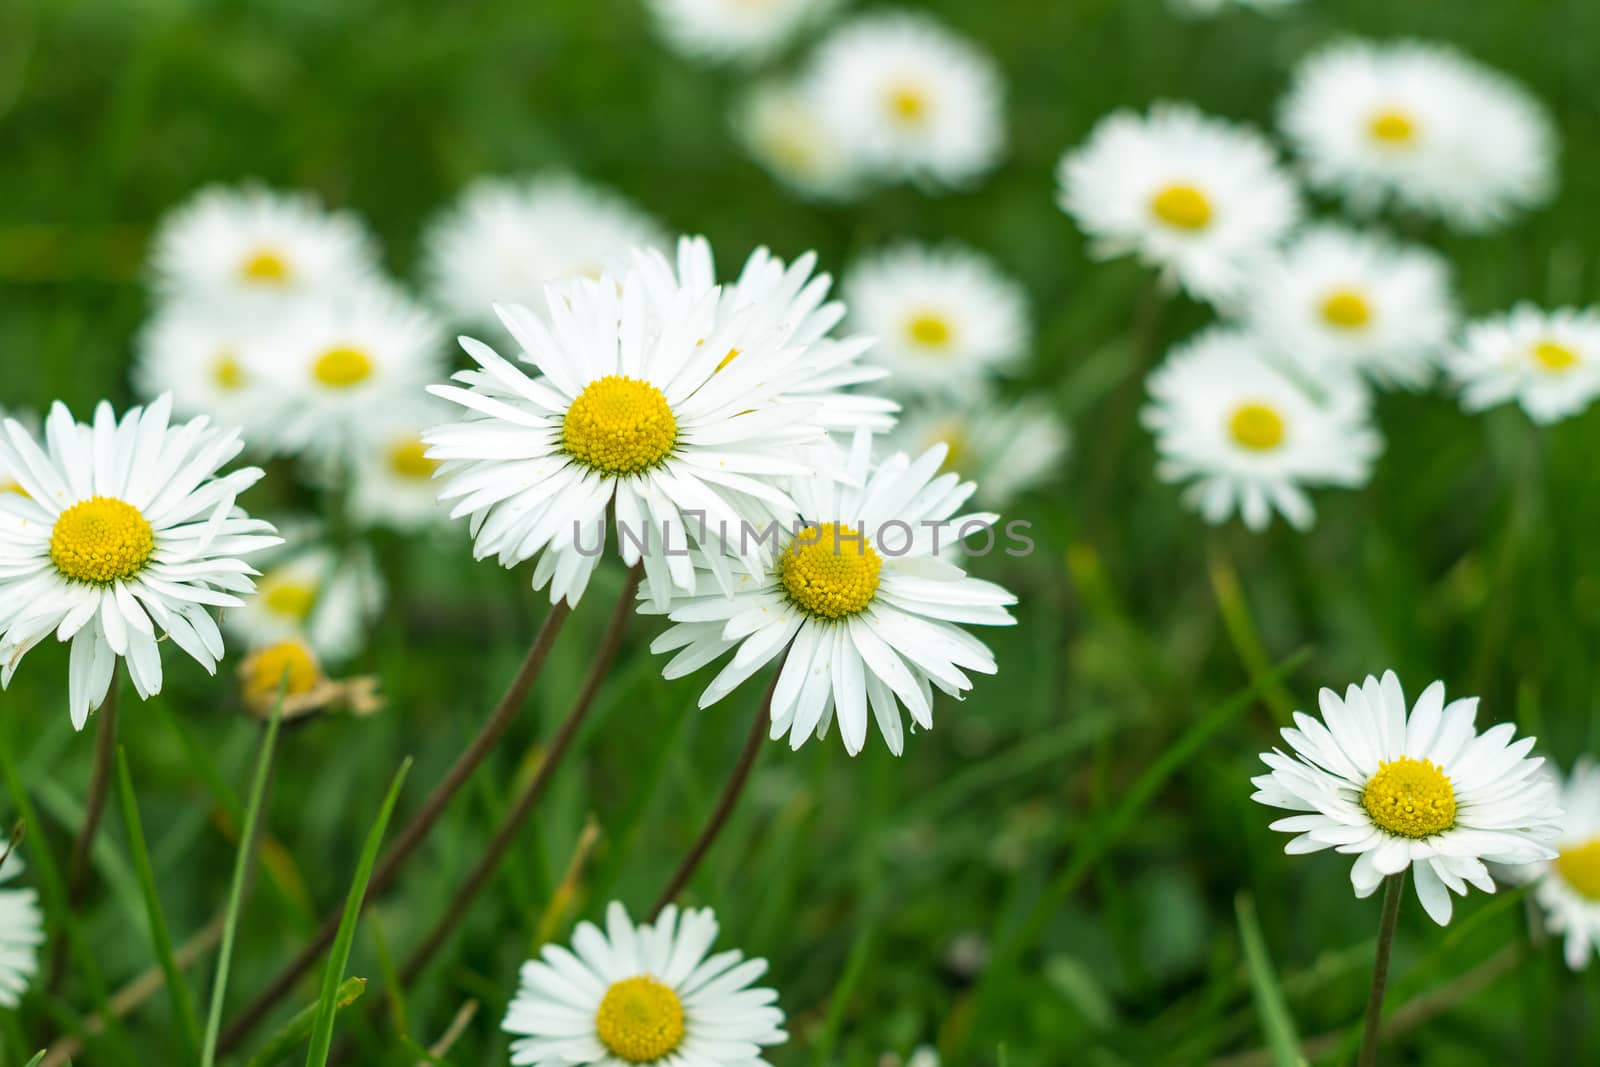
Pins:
x,y
105,745
1393,889
725,803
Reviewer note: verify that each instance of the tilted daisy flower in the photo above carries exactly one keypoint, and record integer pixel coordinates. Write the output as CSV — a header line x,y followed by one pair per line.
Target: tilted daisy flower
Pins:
x,y
635,408
1423,791
392,478
1338,301
1006,447
944,318
197,351
645,993
910,99
248,242
1547,361
1422,126
723,30
1569,889
21,929
506,238
857,601
312,591
126,535
784,131
1199,198
1248,436
8,480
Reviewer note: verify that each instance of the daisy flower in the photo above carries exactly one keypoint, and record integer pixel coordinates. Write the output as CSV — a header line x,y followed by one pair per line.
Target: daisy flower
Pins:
x,y
506,238
1422,790
944,318
250,243
8,480
1215,7
857,601
1196,197
196,350
1337,301
1007,448
1248,436
783,130
310,591
1547,361
1423,126
635,406
645,993
126,534
1569,891
21,930
724,30
290,668
392,483
910,99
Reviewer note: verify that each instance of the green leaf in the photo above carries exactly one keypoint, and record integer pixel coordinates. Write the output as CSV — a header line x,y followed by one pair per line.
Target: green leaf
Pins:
x,y
38,1058
295,1030
1276,1023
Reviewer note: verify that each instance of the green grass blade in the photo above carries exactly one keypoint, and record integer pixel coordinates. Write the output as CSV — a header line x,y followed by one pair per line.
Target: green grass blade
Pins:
x,y
38,1058
297,1028
177,987
328,1007
1276,1023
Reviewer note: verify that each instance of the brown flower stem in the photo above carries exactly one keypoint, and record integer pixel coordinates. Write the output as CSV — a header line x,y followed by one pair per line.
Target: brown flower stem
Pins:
x,y
1394,888
105,744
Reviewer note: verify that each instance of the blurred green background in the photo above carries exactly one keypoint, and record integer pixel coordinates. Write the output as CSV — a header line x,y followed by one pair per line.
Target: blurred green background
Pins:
x,y
893,897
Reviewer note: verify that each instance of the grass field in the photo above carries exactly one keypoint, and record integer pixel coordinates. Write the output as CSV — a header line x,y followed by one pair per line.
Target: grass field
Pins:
x,y
1054,874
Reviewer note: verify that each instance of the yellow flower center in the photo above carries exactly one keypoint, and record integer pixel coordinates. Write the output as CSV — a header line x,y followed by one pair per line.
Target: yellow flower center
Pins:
x,y
226,372
265,266
101,540
1346,309
288,664
1579,867
409,459
342,367
1553,357
830,571
619,425
288,597
1182,206
640,1019
929,329
1410,798
1256,426
908,103
1393,127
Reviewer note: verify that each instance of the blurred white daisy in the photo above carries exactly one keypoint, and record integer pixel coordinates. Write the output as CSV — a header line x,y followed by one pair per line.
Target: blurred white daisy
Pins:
x,y
249,242
504,239
125,535
21,929
1213,7
944,318
1337,301
857,602
309,590
785,133
1547,361
1007,448
1248,436
645,993
1199,198
8,479
392,477
1569,891
196,350
1423,791
723,30
909,99
1423,126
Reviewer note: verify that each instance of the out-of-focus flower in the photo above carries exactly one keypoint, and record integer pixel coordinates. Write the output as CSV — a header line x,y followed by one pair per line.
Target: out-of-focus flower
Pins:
x,y
1569,889
290,667
1215,7
392,479
328,597
739,30
197,351
1547,361
1007,448
784,131
21,929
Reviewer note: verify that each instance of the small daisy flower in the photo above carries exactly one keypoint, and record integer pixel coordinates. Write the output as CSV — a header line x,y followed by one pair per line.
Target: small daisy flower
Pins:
x,y
785,133
1423,126
643,994
1216,7
720,31
290,668
1547,361
329,598
856,600
506,238
1423,791
250,243
1248,437
21,929
1337,301
910,99
1569,891
1196,197
124,536
1007,448
197,351
8,480
392,483
944,318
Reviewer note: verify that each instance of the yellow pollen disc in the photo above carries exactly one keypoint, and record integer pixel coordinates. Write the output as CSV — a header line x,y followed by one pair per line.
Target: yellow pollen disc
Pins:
x,y
830,571
1346,309
1553,357
733,354
288,598
1182,206
908,104
101,540
619,425
928,329
227,373
1579,867
640,1019
1392,127
409,459
289,664
265,266
342,367
1256,427
1410,798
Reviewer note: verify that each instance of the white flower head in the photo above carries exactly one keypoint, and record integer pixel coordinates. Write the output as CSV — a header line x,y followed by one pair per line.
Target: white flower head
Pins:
x,y
1199,198
1005,447
644,993
1422,790
124,535
311,591
910,99
505,239
721,31
944,319
783,129
1547,361
21,929
1337,301
856,600
1569,886
392,478
1249,437
199,351
1216,7
1422,126
250,243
